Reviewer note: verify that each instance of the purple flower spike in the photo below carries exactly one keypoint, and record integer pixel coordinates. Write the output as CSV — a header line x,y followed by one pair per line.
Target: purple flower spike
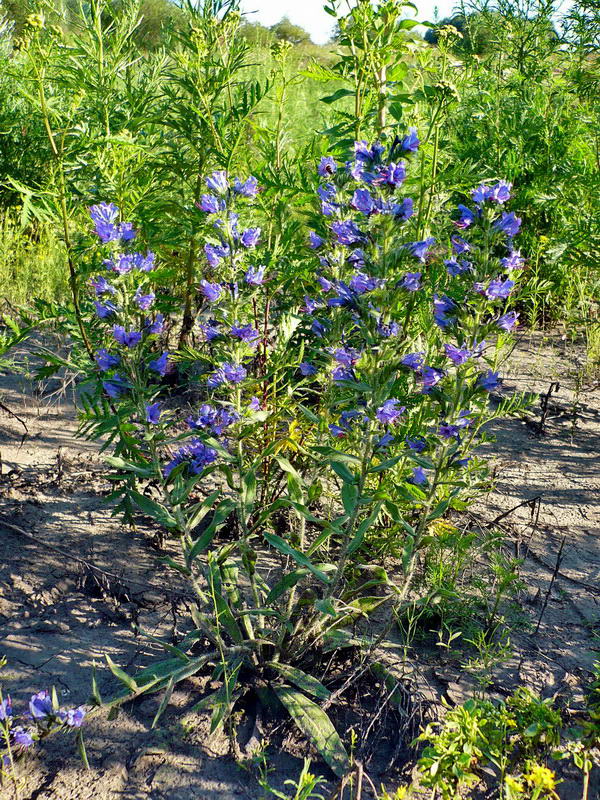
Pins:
x,y
5,709
411,281
499,289
106,360
337,431
431,377
21,738
255,276
307,369
447,431
490,381
235,373
411,142
73,717
418,445
153,413
458,355
315,241
126,338
196,455
418,477
327,166
104,216
413,360
105,310
391,175
127,231
247,188
40,705
507,321
403,210
508,224
144,301
466,217
215,253
420,250
160,365
217,182
347,232
254,404
212,291
389,412
210,204
250,237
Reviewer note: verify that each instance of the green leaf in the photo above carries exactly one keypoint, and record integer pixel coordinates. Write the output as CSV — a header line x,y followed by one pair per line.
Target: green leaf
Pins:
x,y
81,749
349,497
342,471
332,98
283,547
164,702
314,722
153,509
364,526
121,675
220,516
300,679
386,464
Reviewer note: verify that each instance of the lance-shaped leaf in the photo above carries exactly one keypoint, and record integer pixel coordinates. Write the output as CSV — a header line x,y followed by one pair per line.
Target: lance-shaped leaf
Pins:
x,y
300,679
280,544
314,722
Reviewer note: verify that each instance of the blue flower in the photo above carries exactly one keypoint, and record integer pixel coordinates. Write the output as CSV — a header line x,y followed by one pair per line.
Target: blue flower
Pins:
x,y
361,283
458,355
215,253
431,376
418,477
247,188
211,204
102,286
144,301
318,328
411,142
514,260
490,381
507,321
499,193
455,267
209,330
508,224
104,217
21,738
235,373
346,355
413,360
212,291
126,231
447,431
250,237
315,241
126,338
325,285
441,307
401,211
73,717
5,709
217,182
255,276
254,404
153,413
106,360
115,386
327,166
246,333
327,192
363,201
460,245
347,232
144,263
40,706
160,365
420,249
391,175
196,455
418,445
411,281
499,289
307,369
105,310
156,326
389,412
342,373
466,217
388,330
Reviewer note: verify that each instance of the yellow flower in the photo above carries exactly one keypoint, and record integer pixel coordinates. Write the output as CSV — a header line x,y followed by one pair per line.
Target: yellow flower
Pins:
x,y
540,777
514,785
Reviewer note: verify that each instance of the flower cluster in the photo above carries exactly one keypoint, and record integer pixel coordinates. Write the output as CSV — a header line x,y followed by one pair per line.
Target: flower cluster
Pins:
x,y
43,716
367,295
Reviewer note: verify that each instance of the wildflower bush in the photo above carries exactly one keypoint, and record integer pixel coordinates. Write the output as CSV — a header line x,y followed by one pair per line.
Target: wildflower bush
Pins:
x,y
322,425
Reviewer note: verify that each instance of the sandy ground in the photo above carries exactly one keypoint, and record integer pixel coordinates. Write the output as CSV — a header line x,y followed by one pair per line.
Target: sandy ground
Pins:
x,y
56,621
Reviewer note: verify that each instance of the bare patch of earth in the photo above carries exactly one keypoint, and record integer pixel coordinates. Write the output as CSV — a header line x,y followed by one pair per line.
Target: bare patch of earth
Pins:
x,y
57,620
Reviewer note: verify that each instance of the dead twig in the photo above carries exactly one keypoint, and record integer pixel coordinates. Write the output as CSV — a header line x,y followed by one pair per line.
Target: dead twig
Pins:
x,y
554,574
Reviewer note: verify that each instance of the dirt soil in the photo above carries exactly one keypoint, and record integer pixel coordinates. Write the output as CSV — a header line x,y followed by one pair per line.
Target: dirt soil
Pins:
x,y
57,620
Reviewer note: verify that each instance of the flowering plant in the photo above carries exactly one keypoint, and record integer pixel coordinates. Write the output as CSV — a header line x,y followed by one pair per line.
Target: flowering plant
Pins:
x,y
319,430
